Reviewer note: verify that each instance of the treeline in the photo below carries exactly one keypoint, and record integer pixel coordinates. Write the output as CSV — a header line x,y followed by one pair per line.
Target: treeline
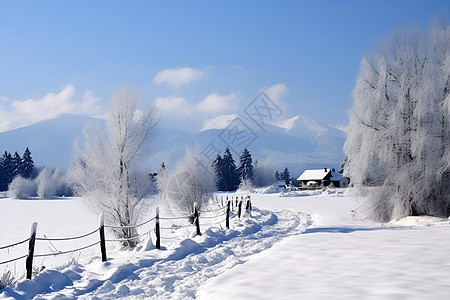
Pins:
x,y
20,178
15,165
229,176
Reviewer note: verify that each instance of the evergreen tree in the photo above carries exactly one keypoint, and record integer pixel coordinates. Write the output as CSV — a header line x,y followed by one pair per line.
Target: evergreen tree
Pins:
x,y
277,175
2,174
245,169
27,167
286,176
6,171
230,174
218,168
295,182
16,165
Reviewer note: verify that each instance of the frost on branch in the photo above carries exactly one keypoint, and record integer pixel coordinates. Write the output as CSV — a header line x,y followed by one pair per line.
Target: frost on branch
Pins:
x,y
106,170
399,132
190,182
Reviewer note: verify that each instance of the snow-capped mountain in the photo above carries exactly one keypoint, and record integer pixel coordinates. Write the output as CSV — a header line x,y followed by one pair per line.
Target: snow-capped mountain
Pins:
x,y
298,142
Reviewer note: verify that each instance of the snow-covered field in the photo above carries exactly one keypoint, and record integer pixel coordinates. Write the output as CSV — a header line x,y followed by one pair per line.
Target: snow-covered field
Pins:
x,y
296,245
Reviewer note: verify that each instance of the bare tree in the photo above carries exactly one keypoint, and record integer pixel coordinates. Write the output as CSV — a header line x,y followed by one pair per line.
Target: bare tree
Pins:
x,y
106,169
399,131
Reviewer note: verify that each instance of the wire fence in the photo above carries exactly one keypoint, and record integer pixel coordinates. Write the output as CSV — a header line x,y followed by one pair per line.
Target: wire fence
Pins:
x,y
211,216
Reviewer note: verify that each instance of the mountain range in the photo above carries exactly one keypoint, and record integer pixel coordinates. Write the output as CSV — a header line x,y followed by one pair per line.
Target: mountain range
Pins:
x,y
297,143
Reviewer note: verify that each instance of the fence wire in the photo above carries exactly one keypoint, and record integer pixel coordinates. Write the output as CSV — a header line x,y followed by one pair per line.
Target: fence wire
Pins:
x,y
129,226
67,238
128,239
14,244
14,259
176,218
213,210
213,217
68,251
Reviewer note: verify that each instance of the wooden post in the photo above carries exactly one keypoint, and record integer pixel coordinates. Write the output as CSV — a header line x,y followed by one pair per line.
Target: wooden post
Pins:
x,y
248,206
102,237
227,222
29,261
240,209
157,230
197,221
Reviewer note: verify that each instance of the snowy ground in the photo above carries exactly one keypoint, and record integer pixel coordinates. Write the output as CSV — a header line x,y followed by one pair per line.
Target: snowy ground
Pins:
x,y
296,245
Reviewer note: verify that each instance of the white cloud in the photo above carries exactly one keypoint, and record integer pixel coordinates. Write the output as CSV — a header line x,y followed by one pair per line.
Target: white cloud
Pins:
x,y
178,77
26,112
90,105
275,92
215,103
48,106
174,106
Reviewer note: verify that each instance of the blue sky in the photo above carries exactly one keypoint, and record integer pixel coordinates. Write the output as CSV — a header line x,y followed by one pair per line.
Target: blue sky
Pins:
x,y
196,59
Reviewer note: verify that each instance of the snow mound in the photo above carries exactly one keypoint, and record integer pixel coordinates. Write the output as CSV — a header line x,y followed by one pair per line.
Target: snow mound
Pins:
x,y
422,221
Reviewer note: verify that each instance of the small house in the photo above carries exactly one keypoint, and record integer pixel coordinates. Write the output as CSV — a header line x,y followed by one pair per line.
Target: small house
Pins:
x,y
322,178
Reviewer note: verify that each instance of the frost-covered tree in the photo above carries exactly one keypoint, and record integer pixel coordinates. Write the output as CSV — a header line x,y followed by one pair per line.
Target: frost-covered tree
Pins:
x,y
245,168
399,131
46,187
21,188
263,174
106,169
189,183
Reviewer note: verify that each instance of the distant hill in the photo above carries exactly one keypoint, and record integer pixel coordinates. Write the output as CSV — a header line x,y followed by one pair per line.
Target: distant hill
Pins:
x,y
298,143
50,141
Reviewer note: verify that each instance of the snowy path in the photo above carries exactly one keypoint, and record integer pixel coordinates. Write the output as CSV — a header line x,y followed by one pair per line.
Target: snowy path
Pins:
x,y
172,274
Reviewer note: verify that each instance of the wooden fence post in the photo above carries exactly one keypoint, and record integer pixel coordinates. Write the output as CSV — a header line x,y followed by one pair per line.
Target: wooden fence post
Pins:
x,y
29,261
102,237
197,221
157,230
227,223
240,209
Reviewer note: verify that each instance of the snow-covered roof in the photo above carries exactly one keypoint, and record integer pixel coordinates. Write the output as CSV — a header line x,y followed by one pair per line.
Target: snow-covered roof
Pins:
x,y
318,174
